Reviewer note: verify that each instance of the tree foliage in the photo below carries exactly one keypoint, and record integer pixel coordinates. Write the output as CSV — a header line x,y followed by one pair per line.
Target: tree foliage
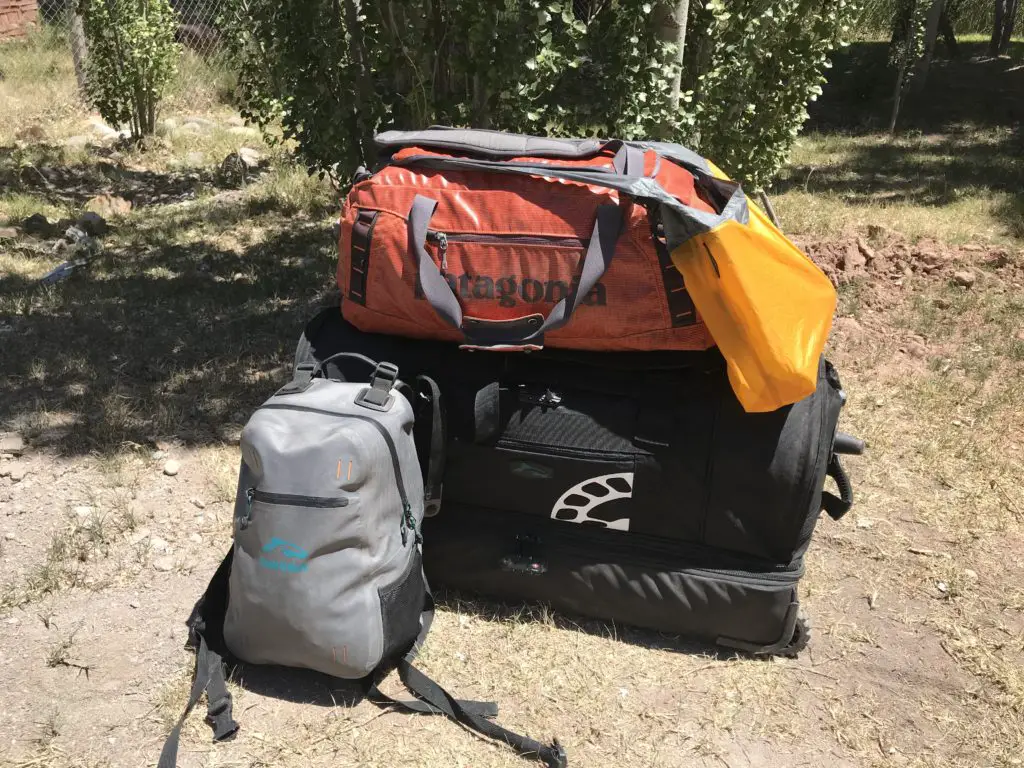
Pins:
x,y
132,58
334,72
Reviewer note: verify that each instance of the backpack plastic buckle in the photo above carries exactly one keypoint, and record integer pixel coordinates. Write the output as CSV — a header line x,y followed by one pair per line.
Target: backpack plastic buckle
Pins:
x,y
378,395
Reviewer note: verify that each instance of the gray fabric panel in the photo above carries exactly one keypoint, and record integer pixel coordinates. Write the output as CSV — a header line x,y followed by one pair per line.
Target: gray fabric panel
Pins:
x,y
304,585
685,157
491,143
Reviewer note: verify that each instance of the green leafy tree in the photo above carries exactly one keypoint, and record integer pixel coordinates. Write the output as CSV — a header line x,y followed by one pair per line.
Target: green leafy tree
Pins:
x,y
767,62
334,72
132,58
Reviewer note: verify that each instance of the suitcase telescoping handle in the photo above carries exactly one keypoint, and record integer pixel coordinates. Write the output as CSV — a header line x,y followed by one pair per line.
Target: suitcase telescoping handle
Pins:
x,y
527,330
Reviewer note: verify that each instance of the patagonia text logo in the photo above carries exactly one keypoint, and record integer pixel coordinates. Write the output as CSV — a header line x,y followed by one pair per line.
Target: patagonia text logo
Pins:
x,y
280,555
510,290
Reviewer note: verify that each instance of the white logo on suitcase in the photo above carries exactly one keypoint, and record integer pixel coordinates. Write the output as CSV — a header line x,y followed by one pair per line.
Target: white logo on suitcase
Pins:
x,y
589,495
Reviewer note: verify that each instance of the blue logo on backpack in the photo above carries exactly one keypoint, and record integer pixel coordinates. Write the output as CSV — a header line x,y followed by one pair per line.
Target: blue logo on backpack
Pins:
x,y
281,555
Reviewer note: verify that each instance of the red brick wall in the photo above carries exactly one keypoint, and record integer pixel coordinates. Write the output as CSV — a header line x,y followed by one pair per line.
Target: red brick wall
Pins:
x,y
16,16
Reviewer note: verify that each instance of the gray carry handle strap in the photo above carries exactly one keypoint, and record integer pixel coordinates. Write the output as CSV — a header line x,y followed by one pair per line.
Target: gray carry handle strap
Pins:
x,y
681,221
521,330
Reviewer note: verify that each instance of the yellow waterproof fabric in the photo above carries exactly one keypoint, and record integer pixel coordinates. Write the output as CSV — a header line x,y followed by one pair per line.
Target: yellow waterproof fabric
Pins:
x,y
768,307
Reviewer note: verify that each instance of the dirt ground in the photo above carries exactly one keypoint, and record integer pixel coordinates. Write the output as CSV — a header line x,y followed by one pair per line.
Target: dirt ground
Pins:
x,y
916,597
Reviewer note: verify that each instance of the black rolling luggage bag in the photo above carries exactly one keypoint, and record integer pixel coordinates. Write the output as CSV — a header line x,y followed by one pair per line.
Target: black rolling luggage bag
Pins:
x,y
629,487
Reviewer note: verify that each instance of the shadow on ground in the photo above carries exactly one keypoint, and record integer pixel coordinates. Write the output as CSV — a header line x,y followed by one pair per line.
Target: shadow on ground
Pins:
x,y
162,338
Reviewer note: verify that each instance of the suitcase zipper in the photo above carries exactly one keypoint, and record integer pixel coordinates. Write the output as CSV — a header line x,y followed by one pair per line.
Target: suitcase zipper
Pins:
x,y
663,556
408,522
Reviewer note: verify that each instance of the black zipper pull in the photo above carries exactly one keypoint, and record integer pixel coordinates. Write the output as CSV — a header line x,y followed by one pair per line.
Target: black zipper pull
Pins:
x,y
403,523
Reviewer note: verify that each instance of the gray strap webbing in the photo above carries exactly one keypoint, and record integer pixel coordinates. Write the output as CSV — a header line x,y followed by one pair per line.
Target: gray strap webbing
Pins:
x,y
520,330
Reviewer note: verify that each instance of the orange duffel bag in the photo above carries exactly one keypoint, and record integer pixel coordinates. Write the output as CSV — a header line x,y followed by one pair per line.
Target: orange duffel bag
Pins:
x,y
508,242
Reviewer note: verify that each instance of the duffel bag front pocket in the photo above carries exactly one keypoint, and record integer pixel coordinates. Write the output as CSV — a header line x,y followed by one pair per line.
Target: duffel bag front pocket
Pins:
x,y
298,593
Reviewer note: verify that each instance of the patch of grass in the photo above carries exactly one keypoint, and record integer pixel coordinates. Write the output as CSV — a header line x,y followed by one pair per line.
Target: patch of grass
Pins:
x,y
958,188
39,86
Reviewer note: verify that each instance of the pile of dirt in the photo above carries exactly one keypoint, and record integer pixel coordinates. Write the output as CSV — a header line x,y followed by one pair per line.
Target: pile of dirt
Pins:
x,y
887,256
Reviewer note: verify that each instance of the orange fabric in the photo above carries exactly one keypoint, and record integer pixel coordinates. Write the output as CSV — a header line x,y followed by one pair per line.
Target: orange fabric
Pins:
x,y
630,308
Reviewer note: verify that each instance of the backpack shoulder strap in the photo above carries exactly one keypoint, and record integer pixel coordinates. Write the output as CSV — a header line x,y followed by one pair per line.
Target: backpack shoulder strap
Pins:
x,y
208,672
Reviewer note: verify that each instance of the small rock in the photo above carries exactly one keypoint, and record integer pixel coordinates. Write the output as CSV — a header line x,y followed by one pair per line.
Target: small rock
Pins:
x,y
250,156
863,522
134,604
867,251
92,224
163,564
101,128
196,538
34,132
10,537
37,224
853,260
942,587
139,536
966,278
942,303
77,142
12,443
157,455
908,272
108,206
171,468
917,350
972,575
879,402
8,233
18,473
159,545
82,512
198,503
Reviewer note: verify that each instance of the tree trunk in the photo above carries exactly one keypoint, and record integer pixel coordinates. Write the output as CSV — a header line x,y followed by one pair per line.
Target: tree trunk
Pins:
x,y
930,35
948,34
897,98
79,51
1012,6
355,42
997,29
673,30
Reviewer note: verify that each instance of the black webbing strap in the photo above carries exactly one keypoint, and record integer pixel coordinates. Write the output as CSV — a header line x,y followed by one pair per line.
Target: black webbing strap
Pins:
x,y
427,690
207,676
433,454
680,304
359,255
837,506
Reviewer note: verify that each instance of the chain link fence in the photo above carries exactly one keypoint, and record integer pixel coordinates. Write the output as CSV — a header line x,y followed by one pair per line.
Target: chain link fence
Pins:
x,y
204,79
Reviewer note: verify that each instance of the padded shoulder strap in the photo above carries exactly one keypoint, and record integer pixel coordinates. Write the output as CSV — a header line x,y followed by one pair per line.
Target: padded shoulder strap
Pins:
x,y
494,144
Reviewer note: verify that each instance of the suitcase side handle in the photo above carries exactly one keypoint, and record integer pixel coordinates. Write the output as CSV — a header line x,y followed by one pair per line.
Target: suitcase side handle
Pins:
x,y
527,330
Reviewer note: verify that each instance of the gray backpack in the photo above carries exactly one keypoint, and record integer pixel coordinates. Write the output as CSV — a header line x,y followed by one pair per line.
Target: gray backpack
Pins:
x,y
325,570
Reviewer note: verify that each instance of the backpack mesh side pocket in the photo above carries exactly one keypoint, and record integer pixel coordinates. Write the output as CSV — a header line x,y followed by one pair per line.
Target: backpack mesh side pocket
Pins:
x,y
400,605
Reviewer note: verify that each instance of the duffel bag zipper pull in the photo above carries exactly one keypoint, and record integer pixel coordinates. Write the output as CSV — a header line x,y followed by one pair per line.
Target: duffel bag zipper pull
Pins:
x,y
442,248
